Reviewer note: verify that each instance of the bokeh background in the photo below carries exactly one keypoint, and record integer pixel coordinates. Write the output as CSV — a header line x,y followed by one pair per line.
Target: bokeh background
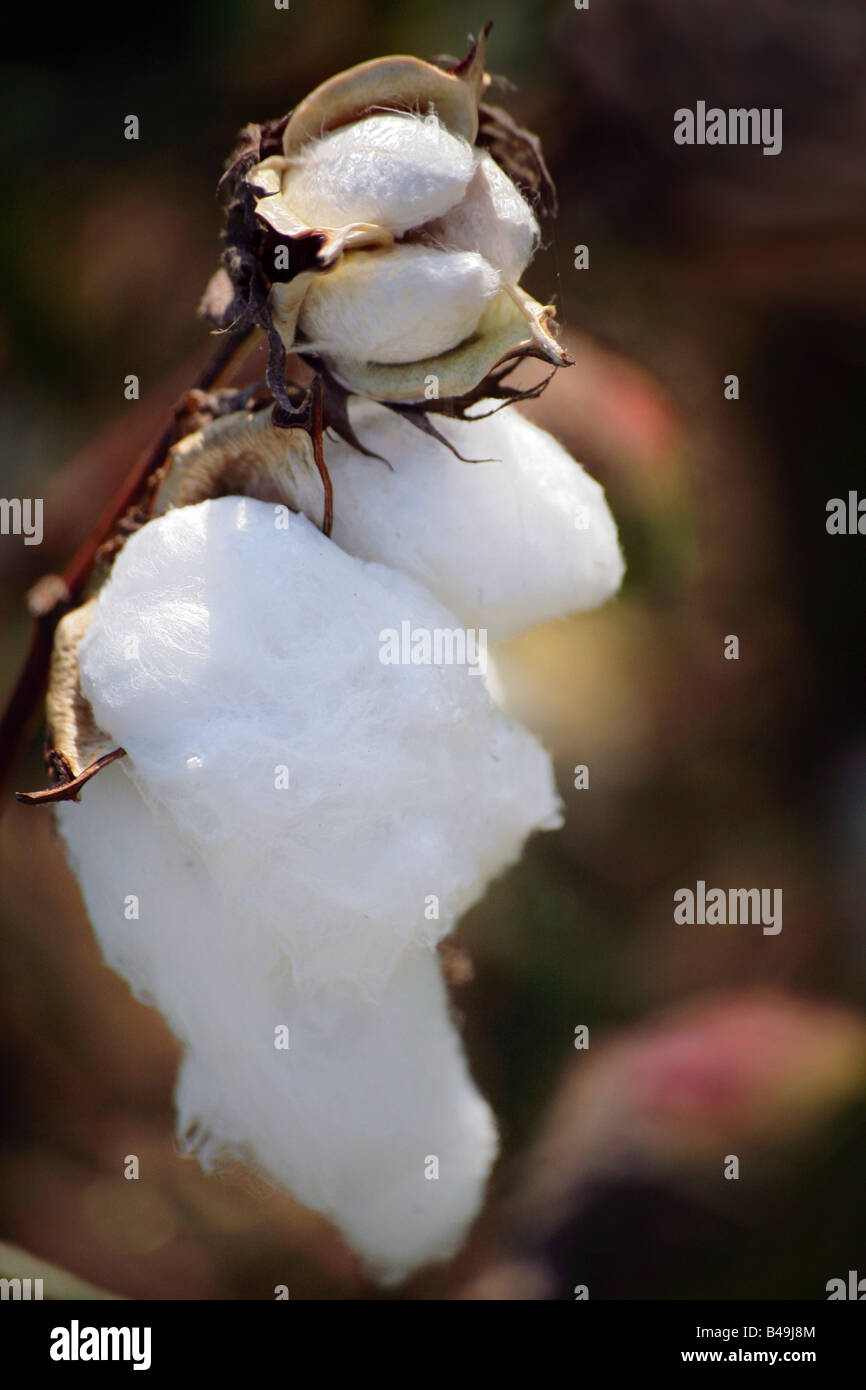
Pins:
x,y
704,1041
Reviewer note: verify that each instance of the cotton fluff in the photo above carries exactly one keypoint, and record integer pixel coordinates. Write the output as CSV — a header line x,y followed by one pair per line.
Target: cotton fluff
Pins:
x,y
524,537
493,218
344,1118
400,305
235,649
258,647
395,171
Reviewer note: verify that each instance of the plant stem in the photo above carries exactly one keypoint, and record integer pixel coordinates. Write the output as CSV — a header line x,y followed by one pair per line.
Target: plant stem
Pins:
x,y
66,589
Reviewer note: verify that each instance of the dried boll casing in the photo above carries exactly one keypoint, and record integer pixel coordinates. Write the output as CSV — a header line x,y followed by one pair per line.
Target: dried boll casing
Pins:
x,y
400,83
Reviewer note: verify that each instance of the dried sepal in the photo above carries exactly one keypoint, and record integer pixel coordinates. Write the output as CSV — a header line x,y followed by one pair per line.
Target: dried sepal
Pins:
x,y
66,787
235,443
494,386
236,294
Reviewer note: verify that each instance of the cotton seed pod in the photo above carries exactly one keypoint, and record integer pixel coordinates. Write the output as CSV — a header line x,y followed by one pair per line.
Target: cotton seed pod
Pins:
x,y
396,306
520,537
381,154
280,826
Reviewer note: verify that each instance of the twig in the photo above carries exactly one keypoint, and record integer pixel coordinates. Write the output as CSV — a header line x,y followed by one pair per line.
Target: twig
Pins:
x,y
66,588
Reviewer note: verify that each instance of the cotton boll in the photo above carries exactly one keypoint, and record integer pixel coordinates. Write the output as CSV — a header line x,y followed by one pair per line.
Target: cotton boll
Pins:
x,y
367,1089
391,170
505,544
228,655
400,305
225,649
494,218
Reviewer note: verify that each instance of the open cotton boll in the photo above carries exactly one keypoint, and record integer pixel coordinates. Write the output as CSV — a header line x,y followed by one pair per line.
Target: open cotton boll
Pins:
x,y
235,653
504,544
399,305
493,218
223,650
395,171
346,1116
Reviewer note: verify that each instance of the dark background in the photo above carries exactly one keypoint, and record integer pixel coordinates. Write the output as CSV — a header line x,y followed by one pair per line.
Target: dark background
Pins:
x,y
704,1041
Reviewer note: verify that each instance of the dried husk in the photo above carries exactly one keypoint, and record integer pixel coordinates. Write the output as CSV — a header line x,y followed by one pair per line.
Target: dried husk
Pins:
x,y
73,739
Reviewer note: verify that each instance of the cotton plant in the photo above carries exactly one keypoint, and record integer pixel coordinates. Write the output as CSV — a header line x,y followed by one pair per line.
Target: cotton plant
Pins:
x,y
304,780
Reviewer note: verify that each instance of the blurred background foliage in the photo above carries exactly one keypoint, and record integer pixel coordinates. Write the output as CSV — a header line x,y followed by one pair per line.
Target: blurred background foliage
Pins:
x,y
704,1041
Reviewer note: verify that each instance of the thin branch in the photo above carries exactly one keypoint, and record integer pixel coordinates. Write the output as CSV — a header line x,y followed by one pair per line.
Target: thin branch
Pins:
x,y
66,589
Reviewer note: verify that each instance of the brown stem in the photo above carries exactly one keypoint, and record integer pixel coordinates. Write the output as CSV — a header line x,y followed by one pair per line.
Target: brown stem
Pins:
x,y
318,414
78,570
30,685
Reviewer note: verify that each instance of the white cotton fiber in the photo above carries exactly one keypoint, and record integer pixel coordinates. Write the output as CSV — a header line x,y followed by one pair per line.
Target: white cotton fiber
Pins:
x,y
504,544
357,1114
395,171
400,305
367,1090
257,647
493,218
235,650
